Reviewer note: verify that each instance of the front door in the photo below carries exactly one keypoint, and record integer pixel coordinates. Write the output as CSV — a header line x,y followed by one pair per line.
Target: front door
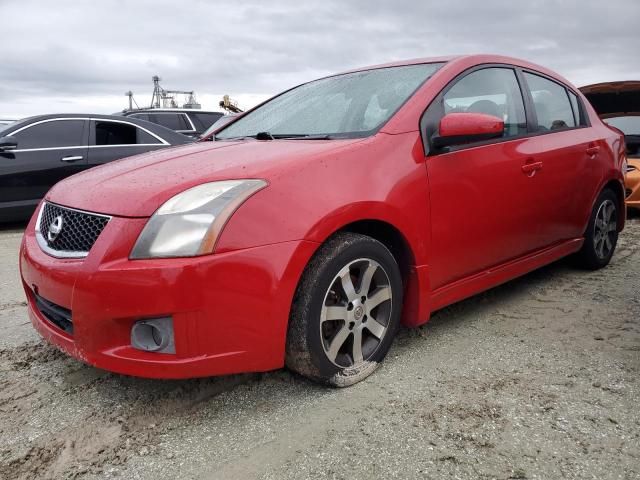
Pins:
x,y
47,152
479,194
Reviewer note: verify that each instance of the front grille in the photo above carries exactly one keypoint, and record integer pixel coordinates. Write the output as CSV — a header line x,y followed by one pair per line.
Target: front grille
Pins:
x,y
68,231
59,316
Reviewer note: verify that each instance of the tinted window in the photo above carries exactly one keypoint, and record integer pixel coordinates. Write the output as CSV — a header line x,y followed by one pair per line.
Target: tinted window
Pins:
x,y
628,125
111,133
353,104
5,126
57,133
206,119
144,137
141,116
493,91
551,103
174,121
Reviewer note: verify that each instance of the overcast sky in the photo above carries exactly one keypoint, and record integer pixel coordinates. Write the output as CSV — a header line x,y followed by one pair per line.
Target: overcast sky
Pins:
x,y
81,56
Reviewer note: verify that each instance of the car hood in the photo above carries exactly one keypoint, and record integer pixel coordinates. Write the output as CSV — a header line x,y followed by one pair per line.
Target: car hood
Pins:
x,y
614,99
137,186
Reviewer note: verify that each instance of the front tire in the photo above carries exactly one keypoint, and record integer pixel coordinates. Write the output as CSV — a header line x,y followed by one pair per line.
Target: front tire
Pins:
x,y
346,311
601,236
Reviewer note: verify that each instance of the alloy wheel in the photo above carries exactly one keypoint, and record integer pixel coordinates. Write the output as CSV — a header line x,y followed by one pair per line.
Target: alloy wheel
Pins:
x,y
605,227
356,313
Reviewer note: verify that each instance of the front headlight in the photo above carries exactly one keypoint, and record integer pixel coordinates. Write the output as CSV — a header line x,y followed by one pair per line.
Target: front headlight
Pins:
x,y
189,223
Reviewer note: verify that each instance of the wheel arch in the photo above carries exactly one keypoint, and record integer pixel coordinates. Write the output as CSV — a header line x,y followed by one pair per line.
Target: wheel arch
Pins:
x,y
617,187
387,234
415,308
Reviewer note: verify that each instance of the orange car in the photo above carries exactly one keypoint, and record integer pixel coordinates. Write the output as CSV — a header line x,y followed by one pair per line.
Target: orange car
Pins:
x,y
618,104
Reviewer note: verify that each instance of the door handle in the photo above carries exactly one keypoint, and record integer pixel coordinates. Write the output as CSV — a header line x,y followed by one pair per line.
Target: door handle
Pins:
x,y
531,168
73,158
593,151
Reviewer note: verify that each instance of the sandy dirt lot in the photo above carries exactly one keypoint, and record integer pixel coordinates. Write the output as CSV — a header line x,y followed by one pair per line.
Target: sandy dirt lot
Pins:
x,y
534,379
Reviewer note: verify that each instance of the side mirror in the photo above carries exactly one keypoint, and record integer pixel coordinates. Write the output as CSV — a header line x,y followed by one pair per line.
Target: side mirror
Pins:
x,y
8,143
461,128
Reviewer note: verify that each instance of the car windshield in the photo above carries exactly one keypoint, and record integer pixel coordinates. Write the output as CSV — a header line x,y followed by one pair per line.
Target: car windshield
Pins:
x,y
628,125
343,106
5,126
217,125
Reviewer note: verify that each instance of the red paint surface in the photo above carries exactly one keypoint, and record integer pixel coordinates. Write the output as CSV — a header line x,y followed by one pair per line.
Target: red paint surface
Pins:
x,y
462,124
471,219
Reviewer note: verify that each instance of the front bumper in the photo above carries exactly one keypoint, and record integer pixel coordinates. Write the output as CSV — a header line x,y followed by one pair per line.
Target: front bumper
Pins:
x,y
229,310
632,185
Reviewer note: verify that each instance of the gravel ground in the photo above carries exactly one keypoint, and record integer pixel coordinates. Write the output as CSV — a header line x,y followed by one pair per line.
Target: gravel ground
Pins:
x,y
537,378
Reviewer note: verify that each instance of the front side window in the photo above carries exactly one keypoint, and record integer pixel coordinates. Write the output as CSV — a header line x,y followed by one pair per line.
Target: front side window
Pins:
x,y
551,103
492,91
348,105
52,134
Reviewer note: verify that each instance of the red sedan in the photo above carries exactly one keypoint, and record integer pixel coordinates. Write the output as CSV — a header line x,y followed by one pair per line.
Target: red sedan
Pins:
x,y
318,222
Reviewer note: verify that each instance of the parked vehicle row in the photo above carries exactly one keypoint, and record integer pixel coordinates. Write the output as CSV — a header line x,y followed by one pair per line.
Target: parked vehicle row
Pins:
x,y
37,152
312,226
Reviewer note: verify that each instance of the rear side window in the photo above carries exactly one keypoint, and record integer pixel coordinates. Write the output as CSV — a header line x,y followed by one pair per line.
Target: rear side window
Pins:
x,y
54,134
115,133
111,133
145,138
551,103
141,116
206,119
174,121
492,91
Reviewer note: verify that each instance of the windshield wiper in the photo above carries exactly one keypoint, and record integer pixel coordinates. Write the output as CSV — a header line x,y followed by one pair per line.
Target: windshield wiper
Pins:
x,y
282,136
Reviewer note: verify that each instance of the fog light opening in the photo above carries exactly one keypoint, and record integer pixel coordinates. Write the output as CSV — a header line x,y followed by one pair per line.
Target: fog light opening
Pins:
x,y
155,335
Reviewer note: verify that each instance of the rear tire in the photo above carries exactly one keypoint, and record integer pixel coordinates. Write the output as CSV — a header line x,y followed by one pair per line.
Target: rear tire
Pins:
x,y
346,311
601,236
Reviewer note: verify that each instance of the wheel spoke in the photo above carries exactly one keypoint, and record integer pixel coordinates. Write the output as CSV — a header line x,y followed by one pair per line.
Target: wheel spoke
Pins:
x,y
334,313
347,285
337,342
608,243
608,212
357,346
376,328
365,282
612,227
380,295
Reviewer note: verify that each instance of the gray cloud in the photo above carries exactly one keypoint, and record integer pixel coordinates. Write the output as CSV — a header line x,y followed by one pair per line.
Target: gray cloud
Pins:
x,y
85,55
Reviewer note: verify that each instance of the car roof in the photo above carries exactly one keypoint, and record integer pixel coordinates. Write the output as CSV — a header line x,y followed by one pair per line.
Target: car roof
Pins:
x,y
474,58
185,110
170,135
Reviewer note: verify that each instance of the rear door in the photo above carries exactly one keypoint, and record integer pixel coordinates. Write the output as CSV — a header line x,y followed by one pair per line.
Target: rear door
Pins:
x,y
113,139
567,150
479,196
47,151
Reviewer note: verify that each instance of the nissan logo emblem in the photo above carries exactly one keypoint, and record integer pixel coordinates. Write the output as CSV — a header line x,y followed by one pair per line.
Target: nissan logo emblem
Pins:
x,y
55,228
